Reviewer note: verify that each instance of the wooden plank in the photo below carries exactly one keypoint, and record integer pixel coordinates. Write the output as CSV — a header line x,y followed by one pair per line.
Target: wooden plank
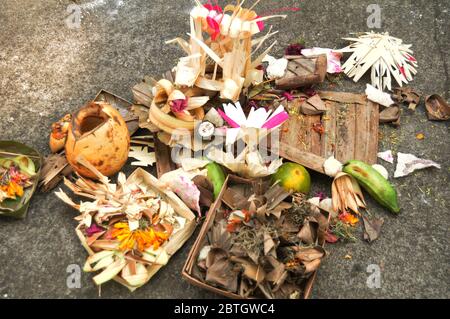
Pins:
x,y
351,132
295,128
343,97
315,146
302,133
329,138
308,132
307,159
345,132
164,161
374,133
363,115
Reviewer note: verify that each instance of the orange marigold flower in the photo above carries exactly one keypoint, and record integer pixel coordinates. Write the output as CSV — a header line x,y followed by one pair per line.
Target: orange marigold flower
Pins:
x,y
12,190
140,239
349,219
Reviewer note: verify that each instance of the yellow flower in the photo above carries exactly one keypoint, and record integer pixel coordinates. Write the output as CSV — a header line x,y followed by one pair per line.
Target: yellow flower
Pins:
x,y
140,239
12,190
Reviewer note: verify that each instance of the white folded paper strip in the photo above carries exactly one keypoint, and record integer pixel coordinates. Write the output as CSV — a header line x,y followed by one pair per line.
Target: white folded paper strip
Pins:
x,y
408,163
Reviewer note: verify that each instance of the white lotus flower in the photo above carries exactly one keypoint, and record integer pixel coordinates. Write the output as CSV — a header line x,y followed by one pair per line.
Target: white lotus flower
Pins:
x,y
261,118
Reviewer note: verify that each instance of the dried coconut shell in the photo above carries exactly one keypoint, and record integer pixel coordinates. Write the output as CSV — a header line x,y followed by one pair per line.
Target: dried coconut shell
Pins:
x,y
98,133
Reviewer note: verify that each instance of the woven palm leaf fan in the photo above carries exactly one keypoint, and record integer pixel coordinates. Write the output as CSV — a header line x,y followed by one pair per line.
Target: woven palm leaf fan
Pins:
x,y
386,56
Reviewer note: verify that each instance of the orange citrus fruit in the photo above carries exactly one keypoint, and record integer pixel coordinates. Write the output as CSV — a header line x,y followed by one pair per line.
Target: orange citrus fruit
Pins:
x,y
293,177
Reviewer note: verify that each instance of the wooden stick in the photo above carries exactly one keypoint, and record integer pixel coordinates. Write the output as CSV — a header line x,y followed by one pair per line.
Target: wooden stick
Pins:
x,y
215,72
16,154
254,5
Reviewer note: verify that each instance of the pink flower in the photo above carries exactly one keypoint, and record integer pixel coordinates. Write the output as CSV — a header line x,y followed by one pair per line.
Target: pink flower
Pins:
x,y
177,106
288,96
94,229
213,24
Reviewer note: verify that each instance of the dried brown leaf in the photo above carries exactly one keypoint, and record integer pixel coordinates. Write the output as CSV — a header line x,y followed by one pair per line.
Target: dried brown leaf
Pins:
x,y
310,254
308,233
90,240
222,274
313,106
215,255
269,244
276,275
437,108
275,195
251,270
372,228
312,265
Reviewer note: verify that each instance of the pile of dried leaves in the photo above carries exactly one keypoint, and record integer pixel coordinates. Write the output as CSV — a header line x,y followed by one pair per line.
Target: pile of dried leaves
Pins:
x,y
264,243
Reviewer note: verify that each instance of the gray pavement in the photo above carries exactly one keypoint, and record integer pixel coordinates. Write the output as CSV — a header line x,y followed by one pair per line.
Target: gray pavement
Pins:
x,y
48,69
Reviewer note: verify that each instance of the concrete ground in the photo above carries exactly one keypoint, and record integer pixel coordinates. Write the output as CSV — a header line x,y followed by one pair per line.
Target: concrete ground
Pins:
x,y
48,69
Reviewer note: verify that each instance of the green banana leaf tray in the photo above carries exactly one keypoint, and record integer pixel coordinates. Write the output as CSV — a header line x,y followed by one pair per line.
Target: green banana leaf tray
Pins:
x,y
18,208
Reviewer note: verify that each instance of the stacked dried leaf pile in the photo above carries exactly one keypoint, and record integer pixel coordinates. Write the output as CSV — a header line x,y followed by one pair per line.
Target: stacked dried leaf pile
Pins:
x,y
263,243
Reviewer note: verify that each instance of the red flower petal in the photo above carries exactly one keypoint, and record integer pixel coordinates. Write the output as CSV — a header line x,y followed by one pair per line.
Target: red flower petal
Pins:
x,y
210,7
213,24
331,238
260,24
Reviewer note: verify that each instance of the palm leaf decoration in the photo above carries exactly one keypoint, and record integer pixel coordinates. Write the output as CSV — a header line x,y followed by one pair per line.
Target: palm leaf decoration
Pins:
x,y
385,55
